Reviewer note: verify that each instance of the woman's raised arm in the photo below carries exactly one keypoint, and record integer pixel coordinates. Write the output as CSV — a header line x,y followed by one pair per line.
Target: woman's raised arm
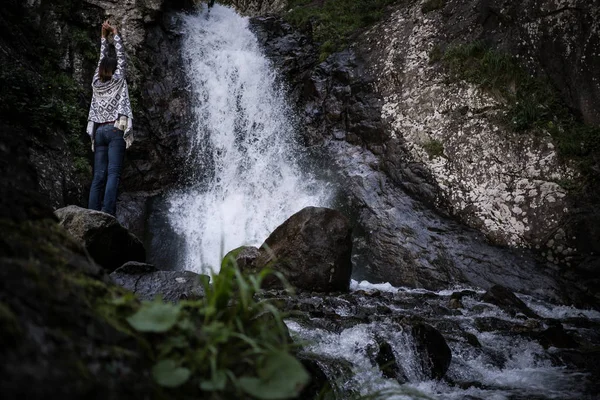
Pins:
x,y
103,50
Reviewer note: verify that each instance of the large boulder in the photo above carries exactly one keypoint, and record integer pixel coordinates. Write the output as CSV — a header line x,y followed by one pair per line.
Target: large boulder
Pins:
x,y
311,249
147,282
107,241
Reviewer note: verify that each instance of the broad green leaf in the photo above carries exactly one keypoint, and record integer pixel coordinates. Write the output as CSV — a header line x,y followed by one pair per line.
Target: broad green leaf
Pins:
x,y
281,376
155,317
173,342
217,382
166,373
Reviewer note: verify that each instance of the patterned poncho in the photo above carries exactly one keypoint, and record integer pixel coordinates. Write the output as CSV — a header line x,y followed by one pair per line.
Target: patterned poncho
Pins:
x,y
110,100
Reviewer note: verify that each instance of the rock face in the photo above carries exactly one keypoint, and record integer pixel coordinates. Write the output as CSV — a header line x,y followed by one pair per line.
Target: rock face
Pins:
x,y
376,110
499,181
311,249
147,282
109,244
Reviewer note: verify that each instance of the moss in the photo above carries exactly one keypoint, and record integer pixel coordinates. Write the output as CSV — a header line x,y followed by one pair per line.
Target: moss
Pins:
x,y
434,148
38,92
435,54
532,103
335,23
432,5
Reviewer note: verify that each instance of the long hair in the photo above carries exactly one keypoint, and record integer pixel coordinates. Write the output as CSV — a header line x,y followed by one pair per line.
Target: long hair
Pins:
x,y
108,65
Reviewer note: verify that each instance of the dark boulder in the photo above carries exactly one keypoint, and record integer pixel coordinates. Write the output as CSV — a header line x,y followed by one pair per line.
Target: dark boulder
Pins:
x,y
386,360
507,301
107,241
147,282
311,249
432,345
556,336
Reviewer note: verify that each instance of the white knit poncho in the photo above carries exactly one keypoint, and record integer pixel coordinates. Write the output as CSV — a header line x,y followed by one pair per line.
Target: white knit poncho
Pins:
x,y
110,100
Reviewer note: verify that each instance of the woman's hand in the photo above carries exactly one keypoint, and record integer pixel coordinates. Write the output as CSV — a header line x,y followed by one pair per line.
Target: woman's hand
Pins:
x,y
107,28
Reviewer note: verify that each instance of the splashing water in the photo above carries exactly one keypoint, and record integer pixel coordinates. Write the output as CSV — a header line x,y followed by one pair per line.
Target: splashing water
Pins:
x,y
247,174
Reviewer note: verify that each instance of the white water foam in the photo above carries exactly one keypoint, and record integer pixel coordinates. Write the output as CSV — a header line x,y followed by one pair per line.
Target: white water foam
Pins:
x,y
245,139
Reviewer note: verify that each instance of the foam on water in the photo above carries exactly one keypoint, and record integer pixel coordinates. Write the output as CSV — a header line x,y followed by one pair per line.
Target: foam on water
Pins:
x,y
245,157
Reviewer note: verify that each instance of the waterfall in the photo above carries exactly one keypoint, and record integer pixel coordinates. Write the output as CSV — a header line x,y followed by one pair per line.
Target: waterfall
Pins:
x,y
245,163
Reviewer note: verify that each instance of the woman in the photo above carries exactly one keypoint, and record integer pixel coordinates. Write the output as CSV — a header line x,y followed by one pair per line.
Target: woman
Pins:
x,y
109,123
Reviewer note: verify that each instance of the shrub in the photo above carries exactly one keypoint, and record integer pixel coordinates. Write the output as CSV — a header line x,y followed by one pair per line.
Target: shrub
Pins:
x,y
333,23
228,344
432,5
434,148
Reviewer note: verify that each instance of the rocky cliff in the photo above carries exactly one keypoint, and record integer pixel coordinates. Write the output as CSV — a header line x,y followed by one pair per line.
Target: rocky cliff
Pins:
x,y
395,115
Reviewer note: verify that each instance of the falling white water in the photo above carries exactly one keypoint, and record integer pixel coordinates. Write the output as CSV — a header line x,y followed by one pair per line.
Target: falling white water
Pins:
x,y
244,144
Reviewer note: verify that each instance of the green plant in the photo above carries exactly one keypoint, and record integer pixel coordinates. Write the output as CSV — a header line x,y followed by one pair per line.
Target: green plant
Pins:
x,y
434,148
335,23
435,54
228,344
432,5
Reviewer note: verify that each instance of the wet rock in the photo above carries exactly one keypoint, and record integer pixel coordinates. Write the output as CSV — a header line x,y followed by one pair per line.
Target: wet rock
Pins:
x,y
109,243
556,336
436,354
311,249
493,324
386,360
319,383
147,283
472,339
320,366
507,301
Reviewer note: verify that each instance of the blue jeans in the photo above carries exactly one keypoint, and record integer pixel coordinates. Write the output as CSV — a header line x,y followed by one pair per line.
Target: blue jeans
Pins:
x,y
109,150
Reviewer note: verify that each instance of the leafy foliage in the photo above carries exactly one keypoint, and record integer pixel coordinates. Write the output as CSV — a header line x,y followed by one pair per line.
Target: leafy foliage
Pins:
x,y
334,23
434,148
155,316
229,345
532,102
432,5
38,91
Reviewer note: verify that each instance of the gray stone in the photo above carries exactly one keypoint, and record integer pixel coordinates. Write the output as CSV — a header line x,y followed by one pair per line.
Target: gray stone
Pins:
x,y
109,243
311,249
147,283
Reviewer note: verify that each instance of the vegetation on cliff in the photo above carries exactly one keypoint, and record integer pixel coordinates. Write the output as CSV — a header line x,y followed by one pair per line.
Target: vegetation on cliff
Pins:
x,y
39,91
334,24
532,102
